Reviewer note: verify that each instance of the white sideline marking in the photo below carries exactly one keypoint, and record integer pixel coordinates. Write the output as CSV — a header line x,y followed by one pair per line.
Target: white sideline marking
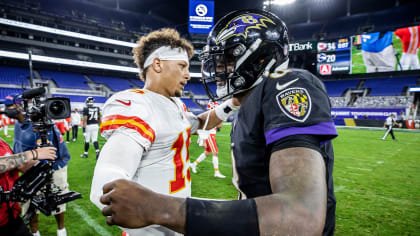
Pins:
x,y
395,200
85,216
380,162
357,168
372,165
347,180
220,163
351,173
353,158
339,188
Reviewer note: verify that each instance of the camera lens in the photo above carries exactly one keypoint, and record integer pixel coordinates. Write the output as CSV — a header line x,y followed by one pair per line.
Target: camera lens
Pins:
x,y
56,107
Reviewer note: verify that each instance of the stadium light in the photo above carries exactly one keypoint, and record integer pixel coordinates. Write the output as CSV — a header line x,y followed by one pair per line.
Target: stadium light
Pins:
x,y
414,89
278,2
65,33
64,61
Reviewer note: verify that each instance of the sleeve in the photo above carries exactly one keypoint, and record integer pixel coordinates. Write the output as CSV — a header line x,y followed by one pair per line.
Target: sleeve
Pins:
x,y
193,121
296,103
129,113
399,32
85,111
119,159
63,155
25,138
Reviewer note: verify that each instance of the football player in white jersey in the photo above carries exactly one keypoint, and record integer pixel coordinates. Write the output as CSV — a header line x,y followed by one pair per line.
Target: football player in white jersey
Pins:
x,y
148,130
207,139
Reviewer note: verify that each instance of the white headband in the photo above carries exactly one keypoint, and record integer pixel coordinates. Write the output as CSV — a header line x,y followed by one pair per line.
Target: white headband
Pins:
x,y
166,53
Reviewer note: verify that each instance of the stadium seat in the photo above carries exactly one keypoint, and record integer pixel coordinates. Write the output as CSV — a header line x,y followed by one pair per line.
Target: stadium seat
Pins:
x,y
66,80
336,88
77,98
8,91
196,109
115,84
139,83
388,86
14,75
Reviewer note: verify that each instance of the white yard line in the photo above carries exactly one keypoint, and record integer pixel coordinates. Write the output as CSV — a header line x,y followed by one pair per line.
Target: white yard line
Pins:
x,y
390,199
353,158
339,188
220,163
350,173
357,168
91,222
346,180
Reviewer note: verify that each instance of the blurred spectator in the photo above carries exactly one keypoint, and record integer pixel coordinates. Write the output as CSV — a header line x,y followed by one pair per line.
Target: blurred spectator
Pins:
x,y
4,124
26,139
410,40
67,126
389,124
378,52
383,101
61,126
75,121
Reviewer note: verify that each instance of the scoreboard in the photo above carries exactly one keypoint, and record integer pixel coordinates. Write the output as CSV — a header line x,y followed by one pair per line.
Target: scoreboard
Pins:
x,y
334,57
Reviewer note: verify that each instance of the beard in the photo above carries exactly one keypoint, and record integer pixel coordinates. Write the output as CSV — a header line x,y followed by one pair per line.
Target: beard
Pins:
x,y
178,93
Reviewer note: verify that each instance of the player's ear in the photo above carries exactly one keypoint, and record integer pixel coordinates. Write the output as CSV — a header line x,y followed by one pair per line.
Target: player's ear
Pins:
x,y
157,65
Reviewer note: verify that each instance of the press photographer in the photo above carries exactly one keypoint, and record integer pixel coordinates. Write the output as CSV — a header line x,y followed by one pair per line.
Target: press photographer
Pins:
x,y
10,166
34,128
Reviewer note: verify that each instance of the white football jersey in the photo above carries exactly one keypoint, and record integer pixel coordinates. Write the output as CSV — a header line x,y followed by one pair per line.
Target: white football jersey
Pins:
x,y
162,127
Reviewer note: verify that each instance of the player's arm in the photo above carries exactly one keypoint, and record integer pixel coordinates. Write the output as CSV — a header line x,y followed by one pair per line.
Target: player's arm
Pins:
x,y
299,200
219,114
119,159
85,117
296,207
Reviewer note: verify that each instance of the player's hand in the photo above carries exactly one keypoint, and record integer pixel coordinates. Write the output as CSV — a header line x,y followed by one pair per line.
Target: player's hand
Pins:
x,y
129,204
46,153
236,101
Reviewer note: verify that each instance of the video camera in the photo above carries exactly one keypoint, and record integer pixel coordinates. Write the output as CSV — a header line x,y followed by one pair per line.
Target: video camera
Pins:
x,y
36,184
40,111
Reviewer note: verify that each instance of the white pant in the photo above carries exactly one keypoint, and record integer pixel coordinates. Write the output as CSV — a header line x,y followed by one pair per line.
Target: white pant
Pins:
x,y
410,60
91,133
380,61
59,179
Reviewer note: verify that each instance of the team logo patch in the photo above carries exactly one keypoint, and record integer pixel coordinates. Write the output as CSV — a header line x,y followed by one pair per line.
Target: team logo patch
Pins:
x,y
295,103
240,25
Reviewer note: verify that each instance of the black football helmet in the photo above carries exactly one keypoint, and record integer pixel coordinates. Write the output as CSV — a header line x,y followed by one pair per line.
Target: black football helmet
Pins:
x,y
89,101
242,46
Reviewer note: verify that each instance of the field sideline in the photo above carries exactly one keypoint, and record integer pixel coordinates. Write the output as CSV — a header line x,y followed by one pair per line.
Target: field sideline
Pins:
x,y
376,183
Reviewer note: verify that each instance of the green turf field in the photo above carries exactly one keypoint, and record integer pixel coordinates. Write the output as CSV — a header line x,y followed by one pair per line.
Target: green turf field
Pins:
x,y
377,184
358,66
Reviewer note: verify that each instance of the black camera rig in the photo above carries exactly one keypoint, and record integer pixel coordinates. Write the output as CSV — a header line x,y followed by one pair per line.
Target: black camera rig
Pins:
x,y
36,184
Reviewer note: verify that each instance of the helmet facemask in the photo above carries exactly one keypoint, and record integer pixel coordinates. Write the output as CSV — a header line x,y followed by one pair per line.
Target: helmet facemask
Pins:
x,y
241,48
90,101
236,69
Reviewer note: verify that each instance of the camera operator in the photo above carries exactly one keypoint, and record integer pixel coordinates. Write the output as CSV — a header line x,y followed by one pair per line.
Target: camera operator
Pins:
x,y
26,139
10,165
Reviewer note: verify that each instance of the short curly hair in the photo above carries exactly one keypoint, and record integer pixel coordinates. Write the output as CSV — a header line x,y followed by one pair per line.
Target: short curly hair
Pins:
x,y
156,39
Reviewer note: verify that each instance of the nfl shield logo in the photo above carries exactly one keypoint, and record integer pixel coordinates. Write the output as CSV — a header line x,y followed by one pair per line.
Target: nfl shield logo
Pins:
x,y
295,103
